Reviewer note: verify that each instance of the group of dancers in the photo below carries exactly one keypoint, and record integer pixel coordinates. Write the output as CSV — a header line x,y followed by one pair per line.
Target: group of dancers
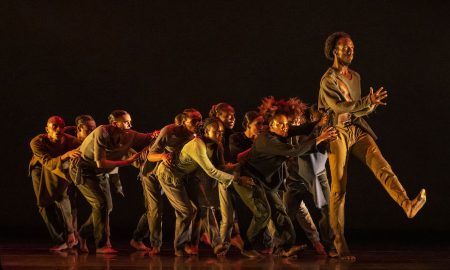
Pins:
x,y
244,189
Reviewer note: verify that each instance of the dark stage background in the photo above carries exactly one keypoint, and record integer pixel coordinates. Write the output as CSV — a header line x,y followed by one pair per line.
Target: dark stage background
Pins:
x,y
155,59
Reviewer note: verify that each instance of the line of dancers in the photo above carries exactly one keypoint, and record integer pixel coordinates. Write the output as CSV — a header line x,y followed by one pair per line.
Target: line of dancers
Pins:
x,y
244,189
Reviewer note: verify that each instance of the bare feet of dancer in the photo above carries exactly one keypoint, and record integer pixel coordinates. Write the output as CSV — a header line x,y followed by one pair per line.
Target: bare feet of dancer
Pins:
x,y
154,251
83,244
320,249
412,207
138,245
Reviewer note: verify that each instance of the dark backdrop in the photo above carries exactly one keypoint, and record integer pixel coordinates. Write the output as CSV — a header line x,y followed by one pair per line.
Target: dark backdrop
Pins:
x,y
154,59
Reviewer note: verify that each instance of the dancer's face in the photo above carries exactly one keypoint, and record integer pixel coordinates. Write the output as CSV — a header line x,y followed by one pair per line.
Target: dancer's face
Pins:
x,y
256,127
123,122
192,120
280,125
344,51
55,128
85,129
214,132
227,117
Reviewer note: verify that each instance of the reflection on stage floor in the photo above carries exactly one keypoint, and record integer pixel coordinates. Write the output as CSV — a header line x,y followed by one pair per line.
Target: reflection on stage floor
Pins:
x,y
36,256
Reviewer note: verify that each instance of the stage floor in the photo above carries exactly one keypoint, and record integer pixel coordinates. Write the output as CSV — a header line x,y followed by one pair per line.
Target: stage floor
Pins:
x,y
36,256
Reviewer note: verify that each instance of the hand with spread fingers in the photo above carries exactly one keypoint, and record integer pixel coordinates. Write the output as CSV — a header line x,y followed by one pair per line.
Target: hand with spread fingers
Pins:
x,y
329,133
378,97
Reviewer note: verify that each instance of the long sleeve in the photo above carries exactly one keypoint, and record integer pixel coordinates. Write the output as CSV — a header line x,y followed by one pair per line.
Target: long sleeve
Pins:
x,y
365,112
41,153
196,149
271,144
331,97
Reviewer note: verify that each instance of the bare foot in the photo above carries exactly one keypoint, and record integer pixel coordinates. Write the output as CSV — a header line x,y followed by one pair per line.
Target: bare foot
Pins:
x,y
252,254
320,249
181,253
71,240
191,250
221,249
154,251
60,247
105,250
413,206
83,245
205,239
138,245
291,252
333,253
237,242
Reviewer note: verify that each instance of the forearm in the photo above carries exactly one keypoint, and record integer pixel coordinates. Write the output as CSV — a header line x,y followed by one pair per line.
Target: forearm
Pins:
x,y
349,106
110,164
155,157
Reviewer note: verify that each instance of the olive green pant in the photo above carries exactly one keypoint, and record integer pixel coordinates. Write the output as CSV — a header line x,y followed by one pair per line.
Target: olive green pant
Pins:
x,y
57,214
354,140
150,223
266,206
96,191
185,211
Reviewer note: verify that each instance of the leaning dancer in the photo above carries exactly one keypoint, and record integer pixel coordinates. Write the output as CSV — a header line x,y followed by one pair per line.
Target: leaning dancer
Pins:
x,y
48,170
104,149
340,95
266,162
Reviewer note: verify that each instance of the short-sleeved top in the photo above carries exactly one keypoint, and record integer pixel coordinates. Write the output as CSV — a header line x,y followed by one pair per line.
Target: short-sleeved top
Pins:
x,y
171,138
106,142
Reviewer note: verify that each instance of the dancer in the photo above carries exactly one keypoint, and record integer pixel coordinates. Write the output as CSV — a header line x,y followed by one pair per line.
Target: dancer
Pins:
x,y
106,148
195,154
340,95
48,170
266,162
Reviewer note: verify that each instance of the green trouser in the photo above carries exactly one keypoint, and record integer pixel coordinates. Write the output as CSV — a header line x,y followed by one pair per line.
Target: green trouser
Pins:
x,y
352,139
96,190
57,215
266,206
175,190
150,223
